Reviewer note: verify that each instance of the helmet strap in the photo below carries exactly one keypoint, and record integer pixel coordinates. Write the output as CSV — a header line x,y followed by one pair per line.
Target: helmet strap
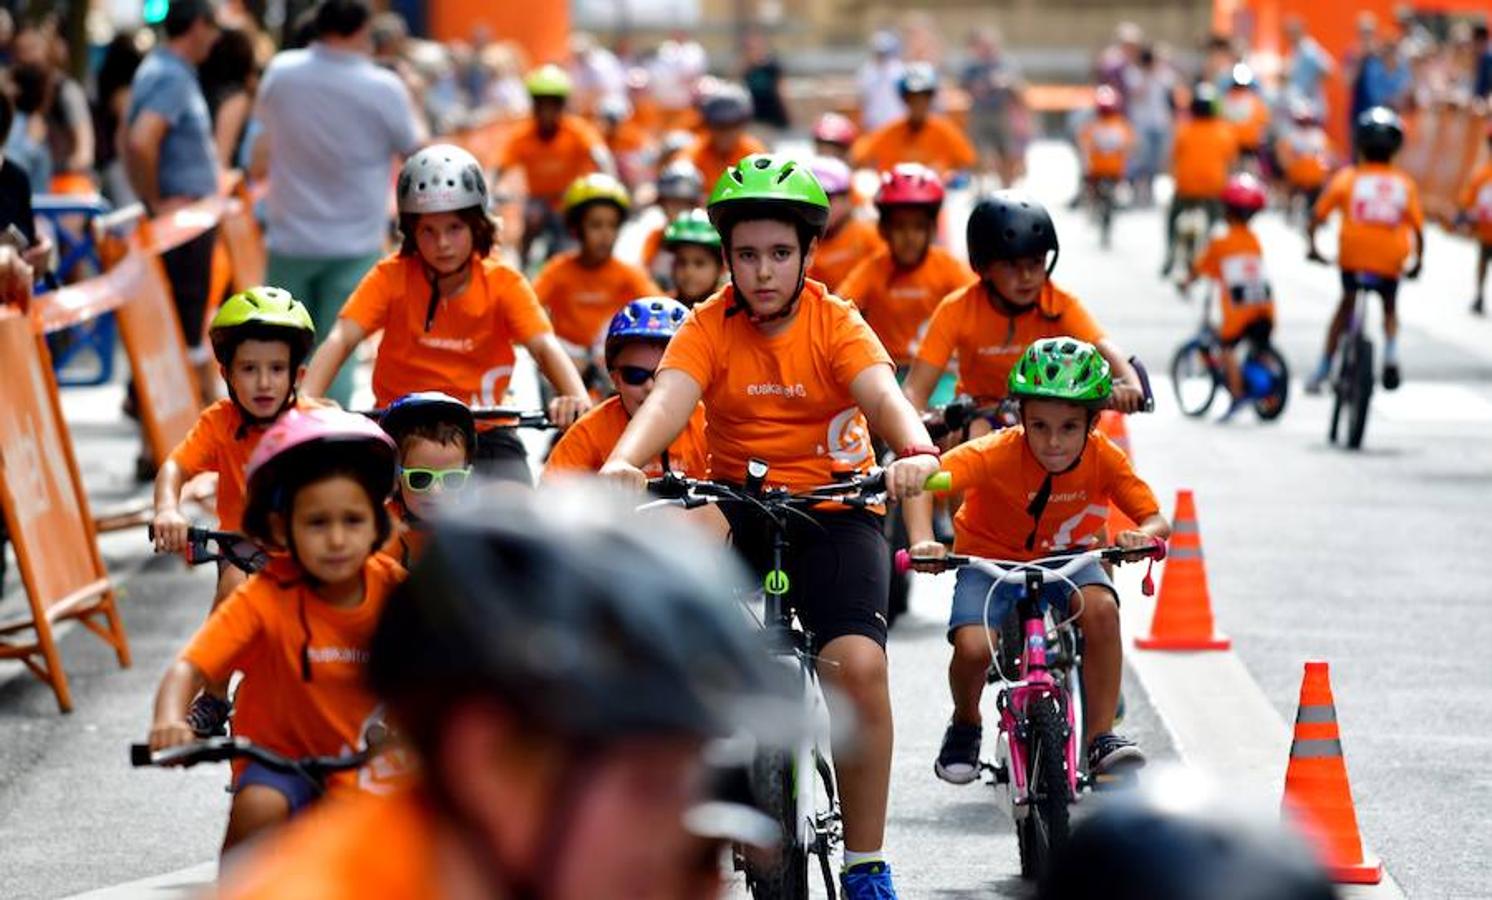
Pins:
x,y
741,306
1043,495
249,420
434,278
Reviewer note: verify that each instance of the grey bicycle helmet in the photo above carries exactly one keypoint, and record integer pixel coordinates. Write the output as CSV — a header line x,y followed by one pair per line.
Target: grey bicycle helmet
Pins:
x,y
681,180
727,105
441,178
1010,225
565,609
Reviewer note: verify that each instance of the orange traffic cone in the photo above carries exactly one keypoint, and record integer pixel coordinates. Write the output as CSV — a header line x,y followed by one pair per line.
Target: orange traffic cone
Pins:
x,y
1316,790
1183,611
1111,425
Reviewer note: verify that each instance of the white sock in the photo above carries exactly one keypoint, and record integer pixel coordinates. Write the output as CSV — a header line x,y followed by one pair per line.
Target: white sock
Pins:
x,y
854,858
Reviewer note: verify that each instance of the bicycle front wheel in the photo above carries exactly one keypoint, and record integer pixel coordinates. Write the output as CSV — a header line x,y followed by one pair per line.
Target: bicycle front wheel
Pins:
x,y
783,876
1194,377
1271,405
1044,830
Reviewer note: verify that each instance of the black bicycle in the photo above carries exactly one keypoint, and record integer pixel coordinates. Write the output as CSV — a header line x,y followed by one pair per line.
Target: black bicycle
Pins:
x,y
1352,372
502,415
232,548
796,785
1197,373
314,770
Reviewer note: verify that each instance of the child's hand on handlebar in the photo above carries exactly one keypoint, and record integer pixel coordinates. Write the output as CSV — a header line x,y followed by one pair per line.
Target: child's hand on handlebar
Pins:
x,y
624,474
1127,397
933,549
905,477
164,735
170,531
1135,540
565,409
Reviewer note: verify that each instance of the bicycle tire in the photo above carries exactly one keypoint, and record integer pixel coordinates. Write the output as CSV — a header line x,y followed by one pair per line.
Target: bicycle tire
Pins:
x,y
1362,391
1339,392
1184,371
1272,405
784,877
1043,832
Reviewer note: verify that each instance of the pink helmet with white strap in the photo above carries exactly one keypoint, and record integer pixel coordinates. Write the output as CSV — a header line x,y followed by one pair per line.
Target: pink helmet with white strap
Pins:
x,y
833,128
304,445
833,174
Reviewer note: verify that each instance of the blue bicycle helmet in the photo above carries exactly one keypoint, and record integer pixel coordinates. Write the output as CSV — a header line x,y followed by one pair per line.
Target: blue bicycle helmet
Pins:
x,y
644,319
425,407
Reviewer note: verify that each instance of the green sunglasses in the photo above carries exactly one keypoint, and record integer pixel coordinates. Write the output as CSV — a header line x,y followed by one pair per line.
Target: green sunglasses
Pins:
x,y
423,480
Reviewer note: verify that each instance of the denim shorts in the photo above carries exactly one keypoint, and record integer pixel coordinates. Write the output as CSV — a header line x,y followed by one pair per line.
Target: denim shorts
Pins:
x,y
972,585
296,790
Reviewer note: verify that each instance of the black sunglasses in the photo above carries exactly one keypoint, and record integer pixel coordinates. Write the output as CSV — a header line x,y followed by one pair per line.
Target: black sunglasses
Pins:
x,y
635,376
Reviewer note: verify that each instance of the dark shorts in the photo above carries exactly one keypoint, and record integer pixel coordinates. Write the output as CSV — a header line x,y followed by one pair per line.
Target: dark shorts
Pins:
x,y
189,270
1256,333
296,790
501,455
838,567
1387,288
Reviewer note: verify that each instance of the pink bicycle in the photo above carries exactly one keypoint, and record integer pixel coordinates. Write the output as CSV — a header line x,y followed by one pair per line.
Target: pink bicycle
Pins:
x,y
1038,751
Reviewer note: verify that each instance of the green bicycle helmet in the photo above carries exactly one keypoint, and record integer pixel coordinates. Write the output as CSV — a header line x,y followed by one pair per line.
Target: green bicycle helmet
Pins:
x,y
1062,368
262,313
692,227
548,81
766,186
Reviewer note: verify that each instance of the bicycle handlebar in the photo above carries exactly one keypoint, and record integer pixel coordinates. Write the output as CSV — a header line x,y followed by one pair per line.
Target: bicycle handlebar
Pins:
x,y
226,748
1003,569
955,416
519,418
229,544
859,491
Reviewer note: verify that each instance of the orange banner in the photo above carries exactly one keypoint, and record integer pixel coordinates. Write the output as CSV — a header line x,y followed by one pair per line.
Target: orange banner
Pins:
x,y
164,380
47,514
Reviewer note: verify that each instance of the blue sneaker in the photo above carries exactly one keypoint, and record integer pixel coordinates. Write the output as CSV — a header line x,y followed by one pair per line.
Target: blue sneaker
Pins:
x,y
868,881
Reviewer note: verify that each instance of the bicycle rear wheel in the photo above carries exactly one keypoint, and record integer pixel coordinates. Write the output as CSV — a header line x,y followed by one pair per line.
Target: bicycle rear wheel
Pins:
x,y
1194,377
1044,830
1271,405
1362,392
785,876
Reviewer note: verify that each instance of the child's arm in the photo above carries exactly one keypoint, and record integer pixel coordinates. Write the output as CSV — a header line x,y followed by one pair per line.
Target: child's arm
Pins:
x,y
920,382
1128,395
572,400
917,512
329,357
1419,255
1154,528
180,684
170,525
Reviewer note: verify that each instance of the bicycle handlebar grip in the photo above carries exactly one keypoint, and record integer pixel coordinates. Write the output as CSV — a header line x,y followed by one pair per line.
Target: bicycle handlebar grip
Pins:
x,y
1144,374
140,755
939,483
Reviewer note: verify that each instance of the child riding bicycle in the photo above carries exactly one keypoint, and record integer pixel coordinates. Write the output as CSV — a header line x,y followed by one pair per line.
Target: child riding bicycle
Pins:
x,y
1234,260
450,310
316,489
1382,225
697,265
261,338
1030,491
436,437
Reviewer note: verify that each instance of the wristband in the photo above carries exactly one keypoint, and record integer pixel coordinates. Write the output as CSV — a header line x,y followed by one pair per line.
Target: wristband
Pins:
x,y
919,450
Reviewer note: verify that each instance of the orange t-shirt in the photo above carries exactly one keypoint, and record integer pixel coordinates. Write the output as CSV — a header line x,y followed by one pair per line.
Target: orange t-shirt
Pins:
x,y
784,399
999,476
987,342
1305,156
841,251
1235,260
575,149
939,143
1202,156
214,445
581,300
467,351
1106,142
897,303
712,164
1247,112
1380,213
356,847
586,445
1476,200
406,540
262,629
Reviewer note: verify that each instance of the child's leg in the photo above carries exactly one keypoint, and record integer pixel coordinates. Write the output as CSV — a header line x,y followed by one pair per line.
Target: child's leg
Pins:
x,y
967,670
256,807
1390,296
229,578
1232,372
1103,659
1484,255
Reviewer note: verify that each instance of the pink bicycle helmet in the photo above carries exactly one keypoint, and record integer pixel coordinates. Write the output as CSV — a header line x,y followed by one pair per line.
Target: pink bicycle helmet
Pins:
x,y
910,184
833,128
833,174
307,444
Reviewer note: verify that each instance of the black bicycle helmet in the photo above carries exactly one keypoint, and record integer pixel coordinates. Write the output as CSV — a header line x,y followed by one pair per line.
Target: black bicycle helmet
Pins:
x,y
586,622
1010,225
1174,842
1379,133
1204,100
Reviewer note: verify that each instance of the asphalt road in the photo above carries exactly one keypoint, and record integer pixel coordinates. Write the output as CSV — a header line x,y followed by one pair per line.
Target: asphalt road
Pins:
x,y
1375,561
